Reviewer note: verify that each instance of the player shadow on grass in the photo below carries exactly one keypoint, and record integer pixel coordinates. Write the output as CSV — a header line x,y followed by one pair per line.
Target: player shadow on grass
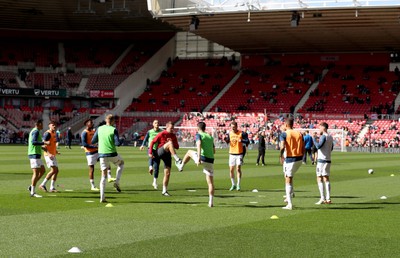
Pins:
x,y
86,197
229,205
276,191
132,191
17,174
168,202
373,203
333,197
353,208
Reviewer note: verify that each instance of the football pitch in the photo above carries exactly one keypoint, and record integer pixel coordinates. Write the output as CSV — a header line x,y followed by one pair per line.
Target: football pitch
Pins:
x,y
360,222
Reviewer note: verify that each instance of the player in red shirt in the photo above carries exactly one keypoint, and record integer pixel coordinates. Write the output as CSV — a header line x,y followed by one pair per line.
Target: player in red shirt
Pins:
x,y
167,146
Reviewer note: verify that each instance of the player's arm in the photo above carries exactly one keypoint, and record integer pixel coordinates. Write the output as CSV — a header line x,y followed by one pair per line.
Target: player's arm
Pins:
x,y
145,140
198,148
46,136
321,142
35,136
118,142
84,141
198,145
95,138
282,139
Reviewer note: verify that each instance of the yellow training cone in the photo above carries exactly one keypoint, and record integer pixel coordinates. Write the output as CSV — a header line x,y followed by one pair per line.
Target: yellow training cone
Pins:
x,y
274,217
109,205
392,175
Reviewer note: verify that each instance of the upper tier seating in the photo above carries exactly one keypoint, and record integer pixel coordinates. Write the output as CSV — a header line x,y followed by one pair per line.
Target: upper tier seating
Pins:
x,y
53,80
105,81
7,79
189,85
93,54
275,89
354,90
42,53
137,56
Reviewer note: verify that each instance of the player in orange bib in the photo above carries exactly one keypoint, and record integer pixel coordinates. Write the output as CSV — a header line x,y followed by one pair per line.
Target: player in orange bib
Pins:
x,y
291,144
236,139
92,155
50,157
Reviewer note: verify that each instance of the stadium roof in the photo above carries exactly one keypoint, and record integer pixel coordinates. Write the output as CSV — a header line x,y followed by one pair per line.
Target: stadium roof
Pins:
x,y
356,28
163,8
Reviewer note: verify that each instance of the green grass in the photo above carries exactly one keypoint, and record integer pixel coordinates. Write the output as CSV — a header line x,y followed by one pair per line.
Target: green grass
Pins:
x,y
143,223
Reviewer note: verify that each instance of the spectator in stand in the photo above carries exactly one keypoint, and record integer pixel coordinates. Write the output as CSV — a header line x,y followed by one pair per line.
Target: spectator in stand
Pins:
x,y
393,126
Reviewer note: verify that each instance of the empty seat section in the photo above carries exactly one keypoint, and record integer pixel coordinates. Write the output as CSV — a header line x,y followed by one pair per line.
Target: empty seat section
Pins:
x,y
274,89
354,90
189,85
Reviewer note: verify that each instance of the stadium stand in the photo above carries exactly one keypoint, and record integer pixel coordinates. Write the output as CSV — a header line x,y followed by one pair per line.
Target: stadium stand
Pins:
x,y
41,53
355,90
20,118
125,123
105,81
387,130
93,54
275,89
7,80
53,80
137,56
188,85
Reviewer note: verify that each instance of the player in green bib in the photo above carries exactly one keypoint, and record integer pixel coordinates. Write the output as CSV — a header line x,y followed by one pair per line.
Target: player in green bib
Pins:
x,y
154,163
107,138
35,148
204,156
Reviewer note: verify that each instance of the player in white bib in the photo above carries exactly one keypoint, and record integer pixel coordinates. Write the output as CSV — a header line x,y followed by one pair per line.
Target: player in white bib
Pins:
x,y
324,147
